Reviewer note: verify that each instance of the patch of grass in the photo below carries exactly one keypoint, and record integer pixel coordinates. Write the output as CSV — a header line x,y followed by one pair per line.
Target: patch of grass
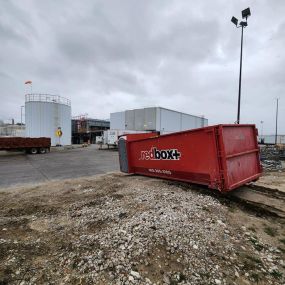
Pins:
x,y
251,262
276,274
231,209
248,265
182,277
255,276
254,259
282,240
256,244
270,231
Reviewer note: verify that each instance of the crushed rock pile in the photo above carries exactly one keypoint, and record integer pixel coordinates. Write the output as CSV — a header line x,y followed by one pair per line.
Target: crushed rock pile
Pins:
x,y
131,230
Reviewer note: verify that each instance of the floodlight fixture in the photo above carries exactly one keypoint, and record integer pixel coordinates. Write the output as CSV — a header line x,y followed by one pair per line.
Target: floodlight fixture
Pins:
x,y
245,13
234,20
243,24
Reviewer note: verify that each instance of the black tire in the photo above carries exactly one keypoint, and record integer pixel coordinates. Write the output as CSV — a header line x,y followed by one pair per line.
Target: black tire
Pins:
x,y
33,150
42,150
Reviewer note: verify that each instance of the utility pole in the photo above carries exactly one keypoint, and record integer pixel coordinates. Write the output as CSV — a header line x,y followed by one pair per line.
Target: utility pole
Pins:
x,y
276,123
261,122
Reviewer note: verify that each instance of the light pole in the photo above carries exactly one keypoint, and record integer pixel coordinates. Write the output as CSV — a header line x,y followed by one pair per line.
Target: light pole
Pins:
x,y
245,14
22,115
276,122
261,122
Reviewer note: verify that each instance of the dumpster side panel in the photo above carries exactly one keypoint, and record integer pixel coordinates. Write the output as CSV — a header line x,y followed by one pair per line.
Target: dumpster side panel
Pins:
x,y
187,156
241,154
123,156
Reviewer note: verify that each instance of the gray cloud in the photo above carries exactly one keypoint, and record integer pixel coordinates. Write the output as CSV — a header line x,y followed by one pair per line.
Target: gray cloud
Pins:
x,y
108,56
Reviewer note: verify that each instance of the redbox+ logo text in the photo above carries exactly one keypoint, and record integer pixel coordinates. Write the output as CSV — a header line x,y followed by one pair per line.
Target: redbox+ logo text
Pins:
x,y
156,154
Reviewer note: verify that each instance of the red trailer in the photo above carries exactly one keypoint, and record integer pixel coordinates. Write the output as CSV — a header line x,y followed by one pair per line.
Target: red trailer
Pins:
x,y
222,157
30,145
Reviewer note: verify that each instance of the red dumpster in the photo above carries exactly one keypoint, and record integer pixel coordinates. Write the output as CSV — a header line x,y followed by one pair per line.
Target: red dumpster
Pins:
x,y
222,157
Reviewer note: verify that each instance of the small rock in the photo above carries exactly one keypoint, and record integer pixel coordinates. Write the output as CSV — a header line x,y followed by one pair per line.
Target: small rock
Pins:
x,y
217,281
269,259
166,279
221,223
135,274
112,277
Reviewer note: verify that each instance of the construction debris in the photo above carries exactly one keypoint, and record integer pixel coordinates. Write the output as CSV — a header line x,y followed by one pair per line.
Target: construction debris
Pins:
x,y
269,152
271,165
271,156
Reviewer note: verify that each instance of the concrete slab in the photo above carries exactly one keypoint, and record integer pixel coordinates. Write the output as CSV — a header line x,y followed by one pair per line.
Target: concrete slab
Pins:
x,y
19,168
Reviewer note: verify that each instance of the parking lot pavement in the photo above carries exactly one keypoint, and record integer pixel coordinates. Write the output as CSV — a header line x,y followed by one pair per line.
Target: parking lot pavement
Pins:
x,y
19,168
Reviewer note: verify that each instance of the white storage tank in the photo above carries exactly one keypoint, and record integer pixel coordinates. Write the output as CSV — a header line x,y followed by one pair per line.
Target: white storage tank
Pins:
x,y
46,114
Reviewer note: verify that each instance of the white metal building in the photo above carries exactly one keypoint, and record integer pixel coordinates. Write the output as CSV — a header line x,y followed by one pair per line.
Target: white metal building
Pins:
x,y
45,114
9,130
155,119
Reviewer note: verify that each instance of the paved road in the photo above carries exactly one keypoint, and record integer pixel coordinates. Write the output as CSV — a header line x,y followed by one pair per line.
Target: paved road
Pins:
x,y
19,168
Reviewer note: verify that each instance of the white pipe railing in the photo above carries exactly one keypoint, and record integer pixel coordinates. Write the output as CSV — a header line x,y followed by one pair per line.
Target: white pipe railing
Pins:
x,y
34,97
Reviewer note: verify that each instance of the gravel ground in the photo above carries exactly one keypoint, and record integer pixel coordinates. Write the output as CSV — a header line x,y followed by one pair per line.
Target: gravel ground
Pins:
x,y
119,229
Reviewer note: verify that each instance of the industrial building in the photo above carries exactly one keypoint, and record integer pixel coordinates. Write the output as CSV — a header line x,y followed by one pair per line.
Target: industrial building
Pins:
x,y
155,119
85,129
12,130
48,116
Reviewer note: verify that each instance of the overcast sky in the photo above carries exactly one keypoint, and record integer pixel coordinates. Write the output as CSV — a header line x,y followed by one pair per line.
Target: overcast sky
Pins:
x,y
109,56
